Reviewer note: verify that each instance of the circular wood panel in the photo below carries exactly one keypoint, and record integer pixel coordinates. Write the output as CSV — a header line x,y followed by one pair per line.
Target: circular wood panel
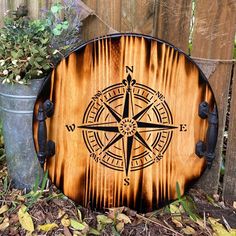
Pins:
x,y
126,122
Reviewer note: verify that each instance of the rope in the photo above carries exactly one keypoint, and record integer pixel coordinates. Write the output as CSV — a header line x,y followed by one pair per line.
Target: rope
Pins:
x,y
214,60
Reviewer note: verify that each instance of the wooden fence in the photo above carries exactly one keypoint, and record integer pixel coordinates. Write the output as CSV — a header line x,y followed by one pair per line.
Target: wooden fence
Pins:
x,y
213,38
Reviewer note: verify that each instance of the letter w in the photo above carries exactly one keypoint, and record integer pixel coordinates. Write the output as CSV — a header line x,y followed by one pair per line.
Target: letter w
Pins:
x,y
70,127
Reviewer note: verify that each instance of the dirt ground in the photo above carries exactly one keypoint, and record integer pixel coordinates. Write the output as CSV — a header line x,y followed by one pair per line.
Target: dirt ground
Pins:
x,y
49,212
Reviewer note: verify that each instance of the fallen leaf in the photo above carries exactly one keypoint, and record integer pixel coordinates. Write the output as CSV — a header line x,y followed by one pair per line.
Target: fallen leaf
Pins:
x,y
120,226
47,227
65,221
114,211
3,209
20,198
79,215
177,223
60,213
124,218
86,229
174,209
25,219
93,231
220,229
104,219
76,225
189,230
4,224
175,212
200,223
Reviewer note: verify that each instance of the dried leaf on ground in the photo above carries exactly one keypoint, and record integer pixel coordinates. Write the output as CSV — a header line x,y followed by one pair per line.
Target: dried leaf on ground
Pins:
x,y
177,223
220,229
76,225
4,224
104,219
79,215
189,230
25,219
47,227
65,221
175,212
3,209
124,218
120,226
94,231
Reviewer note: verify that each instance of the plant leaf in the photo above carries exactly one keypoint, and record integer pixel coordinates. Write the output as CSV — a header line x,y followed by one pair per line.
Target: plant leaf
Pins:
x,y
93,231
44,182
25,219
76,225
114,232
36,184
14,54
47,227
56,31
5,184
56,8
178,190
79,215
124,218
104,219
120,226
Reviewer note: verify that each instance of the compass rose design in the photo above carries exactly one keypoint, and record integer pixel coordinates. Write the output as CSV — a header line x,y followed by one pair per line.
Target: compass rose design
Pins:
x,y
127,126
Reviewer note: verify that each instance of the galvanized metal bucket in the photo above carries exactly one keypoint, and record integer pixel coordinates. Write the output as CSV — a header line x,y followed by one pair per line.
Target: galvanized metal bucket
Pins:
x,y
16,112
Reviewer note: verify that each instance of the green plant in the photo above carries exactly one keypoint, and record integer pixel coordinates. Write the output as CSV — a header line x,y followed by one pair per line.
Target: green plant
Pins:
x,y
24,50
187,204
63,19
37,192
30,48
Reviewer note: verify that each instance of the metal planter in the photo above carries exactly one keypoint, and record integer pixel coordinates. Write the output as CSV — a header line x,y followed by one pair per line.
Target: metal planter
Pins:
x,y
16,110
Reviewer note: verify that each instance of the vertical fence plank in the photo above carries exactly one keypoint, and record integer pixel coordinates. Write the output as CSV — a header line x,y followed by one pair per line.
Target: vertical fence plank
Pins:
x,y
172,22
229,188
34,8
213,38
109,11
137,16
3,9
14,4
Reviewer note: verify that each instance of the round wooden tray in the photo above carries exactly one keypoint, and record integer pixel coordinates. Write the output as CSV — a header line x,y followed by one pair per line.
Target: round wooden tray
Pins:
x,y
126,122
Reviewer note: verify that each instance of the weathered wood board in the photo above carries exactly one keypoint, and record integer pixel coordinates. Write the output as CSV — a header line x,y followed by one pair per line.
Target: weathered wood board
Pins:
x,y
213,37
126,122
229,187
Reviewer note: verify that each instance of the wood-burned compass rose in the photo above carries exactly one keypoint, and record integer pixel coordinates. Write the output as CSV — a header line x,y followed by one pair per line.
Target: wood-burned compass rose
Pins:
x,y
127,126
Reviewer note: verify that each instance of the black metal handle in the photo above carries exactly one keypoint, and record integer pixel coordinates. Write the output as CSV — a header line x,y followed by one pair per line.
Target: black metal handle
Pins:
x,y
42,135
46,148
208,149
